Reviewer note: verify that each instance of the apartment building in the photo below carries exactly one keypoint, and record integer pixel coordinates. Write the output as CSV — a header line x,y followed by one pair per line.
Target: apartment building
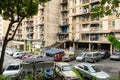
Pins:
x,y
3,28
82,30
40,30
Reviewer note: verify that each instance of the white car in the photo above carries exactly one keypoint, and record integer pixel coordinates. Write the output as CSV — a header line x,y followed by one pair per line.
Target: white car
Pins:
x,y
13,71
64,70
81,56
17,54
91,72
10,51
115,56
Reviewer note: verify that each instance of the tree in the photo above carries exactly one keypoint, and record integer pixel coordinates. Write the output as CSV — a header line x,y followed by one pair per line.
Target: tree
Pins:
x,y
107,8
15,11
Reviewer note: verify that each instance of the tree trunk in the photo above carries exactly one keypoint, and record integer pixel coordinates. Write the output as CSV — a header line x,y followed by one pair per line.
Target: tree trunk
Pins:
x,y
2,55
5,41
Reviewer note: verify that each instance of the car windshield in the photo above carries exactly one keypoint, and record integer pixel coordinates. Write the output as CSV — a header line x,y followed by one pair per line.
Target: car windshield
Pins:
x,y
82,54
89,55
95,69
13,67
116,53
66,68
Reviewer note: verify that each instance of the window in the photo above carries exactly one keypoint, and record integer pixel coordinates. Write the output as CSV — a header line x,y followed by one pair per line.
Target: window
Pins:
x,y
113,23
86,68
80,67
66,68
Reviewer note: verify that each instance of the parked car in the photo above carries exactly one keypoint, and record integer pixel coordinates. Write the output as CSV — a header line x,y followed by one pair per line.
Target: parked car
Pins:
x,y
81,56
64,70
105,54
17,54
21,55
115,56
26,56
58,57
35,56
10,51
13,71
91,72
68,57
93,57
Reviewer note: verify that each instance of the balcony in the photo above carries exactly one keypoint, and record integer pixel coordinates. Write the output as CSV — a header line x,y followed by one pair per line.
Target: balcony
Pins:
x,y
62,37
85,1
65,22
64,2
64,10
94,38
29,23
85,10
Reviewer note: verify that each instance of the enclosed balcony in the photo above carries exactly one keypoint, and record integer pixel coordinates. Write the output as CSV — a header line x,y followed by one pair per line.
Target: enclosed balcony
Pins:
x,y
94,27
65,22
29,23
84,37
61,36
29,36
94,37
85,1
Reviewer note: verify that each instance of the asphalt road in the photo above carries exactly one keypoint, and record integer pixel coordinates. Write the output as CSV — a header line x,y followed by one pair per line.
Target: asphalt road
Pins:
x,y
9,59
111,67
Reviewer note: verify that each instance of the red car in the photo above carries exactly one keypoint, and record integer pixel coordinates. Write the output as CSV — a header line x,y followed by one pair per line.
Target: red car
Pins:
x,y
26,56
58,57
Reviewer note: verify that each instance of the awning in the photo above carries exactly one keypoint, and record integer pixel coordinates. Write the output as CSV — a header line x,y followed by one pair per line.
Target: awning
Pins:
x,y
53,51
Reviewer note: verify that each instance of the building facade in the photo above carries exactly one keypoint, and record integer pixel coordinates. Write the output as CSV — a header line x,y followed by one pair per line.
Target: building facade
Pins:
x,y
85,32
40,30
69,22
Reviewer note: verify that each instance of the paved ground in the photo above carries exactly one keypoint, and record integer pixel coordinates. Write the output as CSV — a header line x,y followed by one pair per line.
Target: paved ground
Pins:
x,y
107,65
110,66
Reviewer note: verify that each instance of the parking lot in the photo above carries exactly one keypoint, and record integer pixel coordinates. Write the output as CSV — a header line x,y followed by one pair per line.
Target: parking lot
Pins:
x,y
112,67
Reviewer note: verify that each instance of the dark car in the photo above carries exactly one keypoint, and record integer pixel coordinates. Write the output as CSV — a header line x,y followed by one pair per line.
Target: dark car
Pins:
x,y
105,54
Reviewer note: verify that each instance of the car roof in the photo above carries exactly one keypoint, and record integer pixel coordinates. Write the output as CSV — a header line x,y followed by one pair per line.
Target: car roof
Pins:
x,y
15,64
62,63
86,64
93,52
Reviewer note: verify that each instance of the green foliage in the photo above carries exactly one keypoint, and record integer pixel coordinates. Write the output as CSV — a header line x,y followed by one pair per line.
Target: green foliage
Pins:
x,y
114,41
106,7
21,8
77,73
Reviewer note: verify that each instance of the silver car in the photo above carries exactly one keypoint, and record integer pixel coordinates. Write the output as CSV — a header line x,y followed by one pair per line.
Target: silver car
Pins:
x,y
81,56
115,56
91,72
93,57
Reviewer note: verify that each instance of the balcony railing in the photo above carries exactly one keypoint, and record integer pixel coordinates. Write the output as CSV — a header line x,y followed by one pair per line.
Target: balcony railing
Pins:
x,y
85,1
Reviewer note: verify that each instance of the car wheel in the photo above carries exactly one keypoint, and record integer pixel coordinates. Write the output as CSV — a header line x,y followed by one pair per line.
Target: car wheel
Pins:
x,y
63,78
94,61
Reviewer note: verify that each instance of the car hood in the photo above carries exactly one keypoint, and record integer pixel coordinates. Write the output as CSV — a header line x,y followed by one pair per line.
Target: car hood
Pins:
x,y
80,57
101,75
116,56
10,72
69,74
